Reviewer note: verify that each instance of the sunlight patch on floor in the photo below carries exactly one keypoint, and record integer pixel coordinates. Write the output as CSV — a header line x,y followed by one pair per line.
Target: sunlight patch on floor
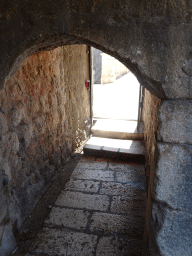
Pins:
x,y
113,143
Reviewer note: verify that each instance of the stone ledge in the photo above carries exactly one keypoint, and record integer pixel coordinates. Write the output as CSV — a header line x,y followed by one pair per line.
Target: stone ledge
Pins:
x,y
118,135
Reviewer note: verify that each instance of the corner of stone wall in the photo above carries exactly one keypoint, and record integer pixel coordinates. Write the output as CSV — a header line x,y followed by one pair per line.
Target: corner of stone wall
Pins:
x,y
151,122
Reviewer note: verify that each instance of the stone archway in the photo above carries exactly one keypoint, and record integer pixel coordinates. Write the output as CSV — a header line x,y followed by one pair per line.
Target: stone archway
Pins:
x,y
153,40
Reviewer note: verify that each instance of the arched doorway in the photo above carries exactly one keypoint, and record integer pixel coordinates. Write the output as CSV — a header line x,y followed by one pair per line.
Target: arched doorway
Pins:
x,y
153,41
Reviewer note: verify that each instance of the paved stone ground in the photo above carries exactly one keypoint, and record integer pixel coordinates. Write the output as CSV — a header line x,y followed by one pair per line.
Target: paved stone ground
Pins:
x,y
100,212
118,100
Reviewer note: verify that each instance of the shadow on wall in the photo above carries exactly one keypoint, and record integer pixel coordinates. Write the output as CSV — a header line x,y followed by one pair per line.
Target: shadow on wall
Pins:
x,y
44,117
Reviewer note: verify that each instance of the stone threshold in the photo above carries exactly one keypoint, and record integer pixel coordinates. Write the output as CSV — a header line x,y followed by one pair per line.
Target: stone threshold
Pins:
x,y
127,151
116,129
118,135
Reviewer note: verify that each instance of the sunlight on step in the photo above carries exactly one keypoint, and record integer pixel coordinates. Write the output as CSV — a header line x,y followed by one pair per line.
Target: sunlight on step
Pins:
x,y
97,141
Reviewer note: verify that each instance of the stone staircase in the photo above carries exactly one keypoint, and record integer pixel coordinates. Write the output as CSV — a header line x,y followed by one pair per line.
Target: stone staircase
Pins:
x,y
116,139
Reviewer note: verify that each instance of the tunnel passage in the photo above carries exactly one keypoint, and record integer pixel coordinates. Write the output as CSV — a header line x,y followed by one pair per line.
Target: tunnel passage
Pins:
x,y
153,39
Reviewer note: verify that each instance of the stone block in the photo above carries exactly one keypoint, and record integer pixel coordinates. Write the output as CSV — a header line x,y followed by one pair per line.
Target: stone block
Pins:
x,y
3,124
96,165
15,162
10,142
172,231
175,121
93,174
122,204
91,148
127,177
40,123
27,133
8,242
67,218
6,169
173,179
83,201
83,185
178,83
126,167
110,149
61,242
18,114
115,246
3,208
135,147
110,223
113,188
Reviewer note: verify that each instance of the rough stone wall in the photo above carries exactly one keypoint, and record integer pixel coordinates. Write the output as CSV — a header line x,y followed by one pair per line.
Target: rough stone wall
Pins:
x,y
120,69
153,39
108,69
44,116
97,65
150,119
77,107
171,219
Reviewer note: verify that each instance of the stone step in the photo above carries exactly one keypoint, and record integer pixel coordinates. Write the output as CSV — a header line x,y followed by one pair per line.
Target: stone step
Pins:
x,y
116,129
126,150
117,135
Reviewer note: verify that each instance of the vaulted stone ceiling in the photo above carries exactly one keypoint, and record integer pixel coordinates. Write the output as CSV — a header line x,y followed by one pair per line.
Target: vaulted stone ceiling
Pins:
x,y
152,38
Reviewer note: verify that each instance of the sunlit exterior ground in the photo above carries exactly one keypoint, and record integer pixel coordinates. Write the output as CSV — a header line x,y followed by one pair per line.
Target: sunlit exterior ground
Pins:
x,y
118,100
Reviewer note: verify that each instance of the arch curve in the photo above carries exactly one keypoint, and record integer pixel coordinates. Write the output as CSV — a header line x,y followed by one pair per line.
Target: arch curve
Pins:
x,y
33,26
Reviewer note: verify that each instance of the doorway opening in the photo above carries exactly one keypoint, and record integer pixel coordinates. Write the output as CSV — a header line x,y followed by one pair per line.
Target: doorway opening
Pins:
x,y
116,107
115,89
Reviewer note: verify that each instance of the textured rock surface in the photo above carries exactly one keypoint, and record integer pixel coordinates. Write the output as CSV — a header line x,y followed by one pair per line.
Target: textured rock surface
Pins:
x,y
83,201
176,176
150,120
171,230
61,242
68,217
44,117
171,209
118,246
175,119
151,38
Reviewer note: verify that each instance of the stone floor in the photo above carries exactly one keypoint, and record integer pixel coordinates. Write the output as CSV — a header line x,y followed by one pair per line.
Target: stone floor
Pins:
x,y
100,212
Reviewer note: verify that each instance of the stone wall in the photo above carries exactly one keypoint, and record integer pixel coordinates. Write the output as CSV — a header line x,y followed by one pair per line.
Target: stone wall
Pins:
x,y
171,219
150,119
153,40
120,69
44,117
108,69
97,65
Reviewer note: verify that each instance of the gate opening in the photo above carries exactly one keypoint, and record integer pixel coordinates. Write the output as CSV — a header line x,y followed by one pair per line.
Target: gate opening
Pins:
x,y
116,109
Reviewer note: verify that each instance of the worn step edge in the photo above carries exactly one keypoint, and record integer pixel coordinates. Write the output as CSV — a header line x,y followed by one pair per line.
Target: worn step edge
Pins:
x,y
117,135
93,150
